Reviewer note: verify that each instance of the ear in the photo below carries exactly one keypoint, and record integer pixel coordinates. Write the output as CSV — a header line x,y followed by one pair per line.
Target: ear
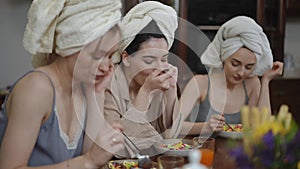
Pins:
x,y
125,58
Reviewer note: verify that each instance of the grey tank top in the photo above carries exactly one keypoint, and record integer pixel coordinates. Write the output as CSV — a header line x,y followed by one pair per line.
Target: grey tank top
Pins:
x,y
52,144
202,112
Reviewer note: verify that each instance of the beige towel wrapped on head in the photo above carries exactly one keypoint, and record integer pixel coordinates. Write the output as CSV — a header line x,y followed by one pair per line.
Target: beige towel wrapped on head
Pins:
x,y
65,26
142,14
234,34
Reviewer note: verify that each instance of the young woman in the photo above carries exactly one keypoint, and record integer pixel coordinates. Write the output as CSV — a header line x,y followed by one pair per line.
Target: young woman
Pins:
x,y
142,94
48,119
239,53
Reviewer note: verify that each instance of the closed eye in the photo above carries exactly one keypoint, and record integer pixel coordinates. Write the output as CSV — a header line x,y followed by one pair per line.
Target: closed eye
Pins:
x,y
249,67
235,63
149,59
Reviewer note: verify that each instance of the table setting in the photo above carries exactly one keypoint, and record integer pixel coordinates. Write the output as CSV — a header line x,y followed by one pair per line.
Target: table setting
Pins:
x,y
242,145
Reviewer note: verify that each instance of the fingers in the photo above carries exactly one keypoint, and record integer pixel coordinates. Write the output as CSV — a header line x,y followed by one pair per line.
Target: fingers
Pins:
x,y
173,71
115,139
159,79
164,74
278,67
112,140
216,122
170,74
117,126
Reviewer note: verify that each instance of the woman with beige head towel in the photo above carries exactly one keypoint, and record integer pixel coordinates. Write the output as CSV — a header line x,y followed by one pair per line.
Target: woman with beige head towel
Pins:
x,y
142,93
237,56
47,120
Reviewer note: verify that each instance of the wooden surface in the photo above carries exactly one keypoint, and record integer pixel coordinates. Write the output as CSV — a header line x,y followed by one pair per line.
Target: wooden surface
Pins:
x,y
222,158
286,91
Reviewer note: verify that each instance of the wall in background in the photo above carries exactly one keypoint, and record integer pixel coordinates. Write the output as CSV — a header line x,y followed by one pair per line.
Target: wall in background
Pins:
x,y
292,47
15,61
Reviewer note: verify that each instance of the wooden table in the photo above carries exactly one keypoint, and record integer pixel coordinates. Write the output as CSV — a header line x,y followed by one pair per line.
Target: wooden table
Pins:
x,y
222,158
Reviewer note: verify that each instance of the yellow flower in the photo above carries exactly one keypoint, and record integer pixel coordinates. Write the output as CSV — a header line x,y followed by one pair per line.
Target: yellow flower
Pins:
x,y
275,126
298,165
260,131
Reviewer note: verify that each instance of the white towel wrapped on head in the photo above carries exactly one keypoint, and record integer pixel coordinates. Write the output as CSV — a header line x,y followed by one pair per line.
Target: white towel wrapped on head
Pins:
x,y
65,26
234,34
142,14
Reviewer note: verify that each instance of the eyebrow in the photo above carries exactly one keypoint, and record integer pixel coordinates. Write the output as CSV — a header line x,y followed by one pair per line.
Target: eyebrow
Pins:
x,y
165,55
148,56
241,62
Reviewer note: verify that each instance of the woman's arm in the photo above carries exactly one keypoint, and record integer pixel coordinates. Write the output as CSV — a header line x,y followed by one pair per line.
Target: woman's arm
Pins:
x,y
192,94
264,97
195,128
171,98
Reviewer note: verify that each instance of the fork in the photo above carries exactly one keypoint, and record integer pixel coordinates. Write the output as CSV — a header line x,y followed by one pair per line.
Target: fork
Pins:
x,y
229,126
144,161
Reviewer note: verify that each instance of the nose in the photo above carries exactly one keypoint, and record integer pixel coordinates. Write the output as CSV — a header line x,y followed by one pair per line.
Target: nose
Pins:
x,y
241,71
105,64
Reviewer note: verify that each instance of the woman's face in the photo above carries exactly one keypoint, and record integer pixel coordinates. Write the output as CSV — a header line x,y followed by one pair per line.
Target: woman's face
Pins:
x,y
152,54
239,66
95,60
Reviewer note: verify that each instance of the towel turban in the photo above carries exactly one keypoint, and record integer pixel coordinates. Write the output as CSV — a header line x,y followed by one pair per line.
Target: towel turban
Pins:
x,y
65,26
234,34
142,14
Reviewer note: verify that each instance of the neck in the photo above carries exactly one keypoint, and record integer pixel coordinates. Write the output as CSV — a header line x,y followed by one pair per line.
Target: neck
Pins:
x,y
64,72
230,86
134,87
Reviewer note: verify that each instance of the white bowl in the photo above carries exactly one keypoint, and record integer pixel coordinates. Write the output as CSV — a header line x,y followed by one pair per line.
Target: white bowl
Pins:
x,y
231,134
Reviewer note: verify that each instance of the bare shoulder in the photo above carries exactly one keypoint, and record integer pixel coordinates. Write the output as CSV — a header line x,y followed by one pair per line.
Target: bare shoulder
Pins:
x,y
35,83
201,79
202,82
33,90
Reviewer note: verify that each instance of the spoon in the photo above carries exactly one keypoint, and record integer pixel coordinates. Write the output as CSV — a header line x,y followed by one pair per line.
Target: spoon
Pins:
x,y
144,161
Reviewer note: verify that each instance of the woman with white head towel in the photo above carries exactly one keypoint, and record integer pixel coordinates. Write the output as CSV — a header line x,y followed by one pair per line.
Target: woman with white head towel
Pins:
x,y
142,93
50,119
237,56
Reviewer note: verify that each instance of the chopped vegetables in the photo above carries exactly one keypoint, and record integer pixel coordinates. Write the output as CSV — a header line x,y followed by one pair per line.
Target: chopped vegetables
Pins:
x,y
124,165
236,127
177,146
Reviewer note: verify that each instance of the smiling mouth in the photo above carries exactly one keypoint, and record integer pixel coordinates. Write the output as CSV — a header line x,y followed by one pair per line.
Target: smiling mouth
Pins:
x,y
237,78
98,77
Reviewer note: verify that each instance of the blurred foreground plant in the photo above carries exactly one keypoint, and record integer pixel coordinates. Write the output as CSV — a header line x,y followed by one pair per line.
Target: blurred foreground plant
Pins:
x,y
271,142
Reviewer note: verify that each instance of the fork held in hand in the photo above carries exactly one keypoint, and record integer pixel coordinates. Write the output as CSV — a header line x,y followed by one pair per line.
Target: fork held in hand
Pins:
x,y
229,126
144,161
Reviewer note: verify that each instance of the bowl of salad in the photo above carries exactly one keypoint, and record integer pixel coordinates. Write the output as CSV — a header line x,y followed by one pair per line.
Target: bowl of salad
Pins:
x,y
180,147
236,133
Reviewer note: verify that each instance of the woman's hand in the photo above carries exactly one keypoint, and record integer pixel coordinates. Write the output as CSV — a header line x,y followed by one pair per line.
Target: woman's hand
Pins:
x,y
276,70
103,83
216,122
109,141
173,71
161,79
